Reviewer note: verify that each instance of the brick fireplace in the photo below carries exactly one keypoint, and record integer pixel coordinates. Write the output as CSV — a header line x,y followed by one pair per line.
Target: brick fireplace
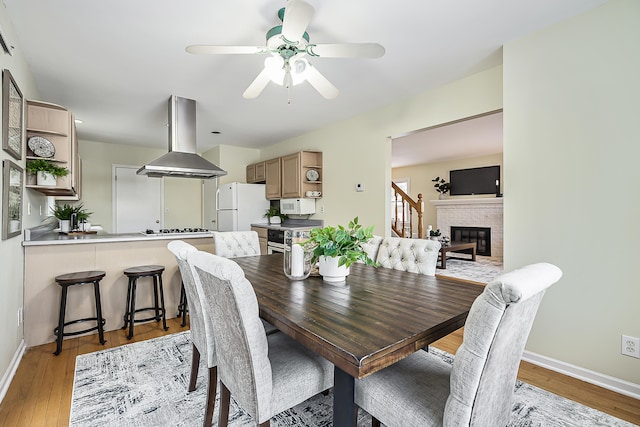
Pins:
x,y
473,214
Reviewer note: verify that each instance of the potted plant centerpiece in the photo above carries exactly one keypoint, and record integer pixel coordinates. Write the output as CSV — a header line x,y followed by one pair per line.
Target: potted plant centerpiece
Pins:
x,y
336,248
274,216
46,172
64,212
441,186
435,234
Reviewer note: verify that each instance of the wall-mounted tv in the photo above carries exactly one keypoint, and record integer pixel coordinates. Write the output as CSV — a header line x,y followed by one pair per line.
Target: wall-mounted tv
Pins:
x,y
475,181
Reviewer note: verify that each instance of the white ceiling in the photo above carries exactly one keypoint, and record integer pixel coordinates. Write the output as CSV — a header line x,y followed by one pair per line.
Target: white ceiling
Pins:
x,y
115,63
479,136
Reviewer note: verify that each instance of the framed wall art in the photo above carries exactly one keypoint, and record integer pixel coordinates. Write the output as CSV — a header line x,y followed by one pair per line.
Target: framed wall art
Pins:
x,y
12,116
11,199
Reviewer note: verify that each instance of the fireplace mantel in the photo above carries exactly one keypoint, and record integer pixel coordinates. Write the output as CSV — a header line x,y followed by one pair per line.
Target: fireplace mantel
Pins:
x,y
480,201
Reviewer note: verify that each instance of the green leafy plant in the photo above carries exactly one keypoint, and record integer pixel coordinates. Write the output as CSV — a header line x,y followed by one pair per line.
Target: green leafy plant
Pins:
x,y
435,233
43,165
275,211
65,211
441,185
345,243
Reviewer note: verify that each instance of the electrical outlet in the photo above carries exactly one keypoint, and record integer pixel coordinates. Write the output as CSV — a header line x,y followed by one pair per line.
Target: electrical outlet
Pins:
x,y
631,346
322,209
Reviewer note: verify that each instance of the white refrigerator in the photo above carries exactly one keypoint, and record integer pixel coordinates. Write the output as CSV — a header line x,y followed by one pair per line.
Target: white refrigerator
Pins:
x,y
239,205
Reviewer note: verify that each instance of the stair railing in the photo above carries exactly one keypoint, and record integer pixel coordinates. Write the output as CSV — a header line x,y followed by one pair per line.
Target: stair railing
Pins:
x,y
402,225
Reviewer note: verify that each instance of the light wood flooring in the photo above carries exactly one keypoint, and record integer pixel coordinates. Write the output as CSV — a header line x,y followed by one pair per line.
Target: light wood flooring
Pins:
x,y
40,393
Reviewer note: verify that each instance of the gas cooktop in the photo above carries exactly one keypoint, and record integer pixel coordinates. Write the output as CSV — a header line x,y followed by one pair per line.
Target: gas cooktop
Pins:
x,y
176,231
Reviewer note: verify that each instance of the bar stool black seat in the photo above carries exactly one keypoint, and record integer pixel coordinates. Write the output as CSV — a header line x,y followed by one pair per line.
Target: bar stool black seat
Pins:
x,y
134,273
79,278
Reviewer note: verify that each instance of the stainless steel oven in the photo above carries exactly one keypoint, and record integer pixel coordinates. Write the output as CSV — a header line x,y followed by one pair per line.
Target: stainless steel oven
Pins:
x,y
275,240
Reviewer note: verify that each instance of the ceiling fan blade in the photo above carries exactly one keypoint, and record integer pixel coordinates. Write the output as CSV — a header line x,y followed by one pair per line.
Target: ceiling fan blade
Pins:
x,y
346,50
211,50
257,86
297,16
320,83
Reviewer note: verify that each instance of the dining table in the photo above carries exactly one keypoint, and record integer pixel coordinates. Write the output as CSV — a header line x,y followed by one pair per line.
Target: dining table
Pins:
x,y
373,319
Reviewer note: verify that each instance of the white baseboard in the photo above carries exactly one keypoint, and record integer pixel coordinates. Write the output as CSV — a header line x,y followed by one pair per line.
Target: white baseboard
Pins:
x,y
11,370
605,381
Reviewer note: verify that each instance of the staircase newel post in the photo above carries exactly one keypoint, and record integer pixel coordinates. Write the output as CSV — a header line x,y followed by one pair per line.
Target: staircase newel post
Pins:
x,y
420,211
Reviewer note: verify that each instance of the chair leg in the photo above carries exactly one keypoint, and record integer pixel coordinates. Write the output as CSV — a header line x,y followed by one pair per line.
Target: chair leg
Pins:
x,y
164,311
375,422
225,400
195,364
211,397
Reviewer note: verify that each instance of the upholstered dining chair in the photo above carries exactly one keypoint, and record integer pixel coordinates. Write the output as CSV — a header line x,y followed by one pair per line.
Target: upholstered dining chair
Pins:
x,y
200,345
423,390
266,374
234,244
413,255
372,246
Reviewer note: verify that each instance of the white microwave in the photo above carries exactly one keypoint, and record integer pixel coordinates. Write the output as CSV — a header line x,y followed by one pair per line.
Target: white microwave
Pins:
x,y
297,206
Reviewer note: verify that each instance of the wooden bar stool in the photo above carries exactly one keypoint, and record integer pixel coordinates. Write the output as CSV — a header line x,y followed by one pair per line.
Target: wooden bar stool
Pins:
x,y
79,278
134,273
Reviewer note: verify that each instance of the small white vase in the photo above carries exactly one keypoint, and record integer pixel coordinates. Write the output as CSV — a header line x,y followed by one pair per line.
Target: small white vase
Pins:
x,y
329,270
442,196
46,179
64,225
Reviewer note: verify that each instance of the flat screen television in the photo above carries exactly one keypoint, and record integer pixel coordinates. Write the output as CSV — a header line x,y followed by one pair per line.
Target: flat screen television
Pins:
x,y
474,181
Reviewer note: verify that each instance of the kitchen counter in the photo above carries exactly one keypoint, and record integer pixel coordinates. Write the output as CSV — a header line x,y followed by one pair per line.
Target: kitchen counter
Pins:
x,y
292,224
54,238
50,254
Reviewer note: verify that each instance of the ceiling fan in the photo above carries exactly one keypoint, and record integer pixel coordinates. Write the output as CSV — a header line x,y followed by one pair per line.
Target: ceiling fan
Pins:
x,y
288,48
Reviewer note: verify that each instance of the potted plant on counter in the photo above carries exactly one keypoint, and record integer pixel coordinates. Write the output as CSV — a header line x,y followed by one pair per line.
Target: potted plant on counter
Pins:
x,y
46,172
336,248
274,216
64,213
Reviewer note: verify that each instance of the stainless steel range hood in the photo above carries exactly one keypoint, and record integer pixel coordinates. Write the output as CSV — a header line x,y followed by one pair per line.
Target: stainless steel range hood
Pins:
x,y
182,159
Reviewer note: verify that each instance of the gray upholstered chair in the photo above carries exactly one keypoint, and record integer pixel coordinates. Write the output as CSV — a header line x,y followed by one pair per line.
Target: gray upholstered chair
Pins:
x,y
422,390
234,244
266,374
201,347
413,255
372,246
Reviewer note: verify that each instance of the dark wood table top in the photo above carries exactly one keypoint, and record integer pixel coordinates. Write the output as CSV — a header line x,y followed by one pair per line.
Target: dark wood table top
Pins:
x,y
375,318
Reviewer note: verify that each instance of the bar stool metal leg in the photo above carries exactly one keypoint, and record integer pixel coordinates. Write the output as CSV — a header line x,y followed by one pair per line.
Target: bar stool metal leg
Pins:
x,y
60,329
101,321
164,317
132,309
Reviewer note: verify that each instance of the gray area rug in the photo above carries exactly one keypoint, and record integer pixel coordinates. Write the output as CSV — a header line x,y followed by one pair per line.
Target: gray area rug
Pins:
x,y
145,384
484,269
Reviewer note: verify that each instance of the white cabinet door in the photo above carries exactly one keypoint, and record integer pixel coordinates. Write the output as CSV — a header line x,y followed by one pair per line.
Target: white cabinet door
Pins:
x,y
137,201
209,213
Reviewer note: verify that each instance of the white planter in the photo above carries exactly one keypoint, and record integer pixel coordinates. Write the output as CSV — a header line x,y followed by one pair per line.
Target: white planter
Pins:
x,y
46,179
329,270
64,225
275,220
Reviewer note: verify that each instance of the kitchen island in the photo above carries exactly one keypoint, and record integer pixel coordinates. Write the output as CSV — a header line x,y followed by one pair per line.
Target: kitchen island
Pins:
x,y
51,254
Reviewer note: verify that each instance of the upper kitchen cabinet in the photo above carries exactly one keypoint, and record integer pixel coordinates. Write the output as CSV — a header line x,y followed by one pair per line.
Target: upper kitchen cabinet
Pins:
x,y
295,175
51,135
302,175
272,178
256,173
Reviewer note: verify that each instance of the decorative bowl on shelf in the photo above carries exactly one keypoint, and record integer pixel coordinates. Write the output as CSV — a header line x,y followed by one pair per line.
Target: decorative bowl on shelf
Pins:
x,y
312,175
41,146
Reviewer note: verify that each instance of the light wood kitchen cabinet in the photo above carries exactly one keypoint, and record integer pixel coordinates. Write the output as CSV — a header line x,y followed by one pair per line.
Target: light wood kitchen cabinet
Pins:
x,y
272,178
296,175
56,125
256,173
262,237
